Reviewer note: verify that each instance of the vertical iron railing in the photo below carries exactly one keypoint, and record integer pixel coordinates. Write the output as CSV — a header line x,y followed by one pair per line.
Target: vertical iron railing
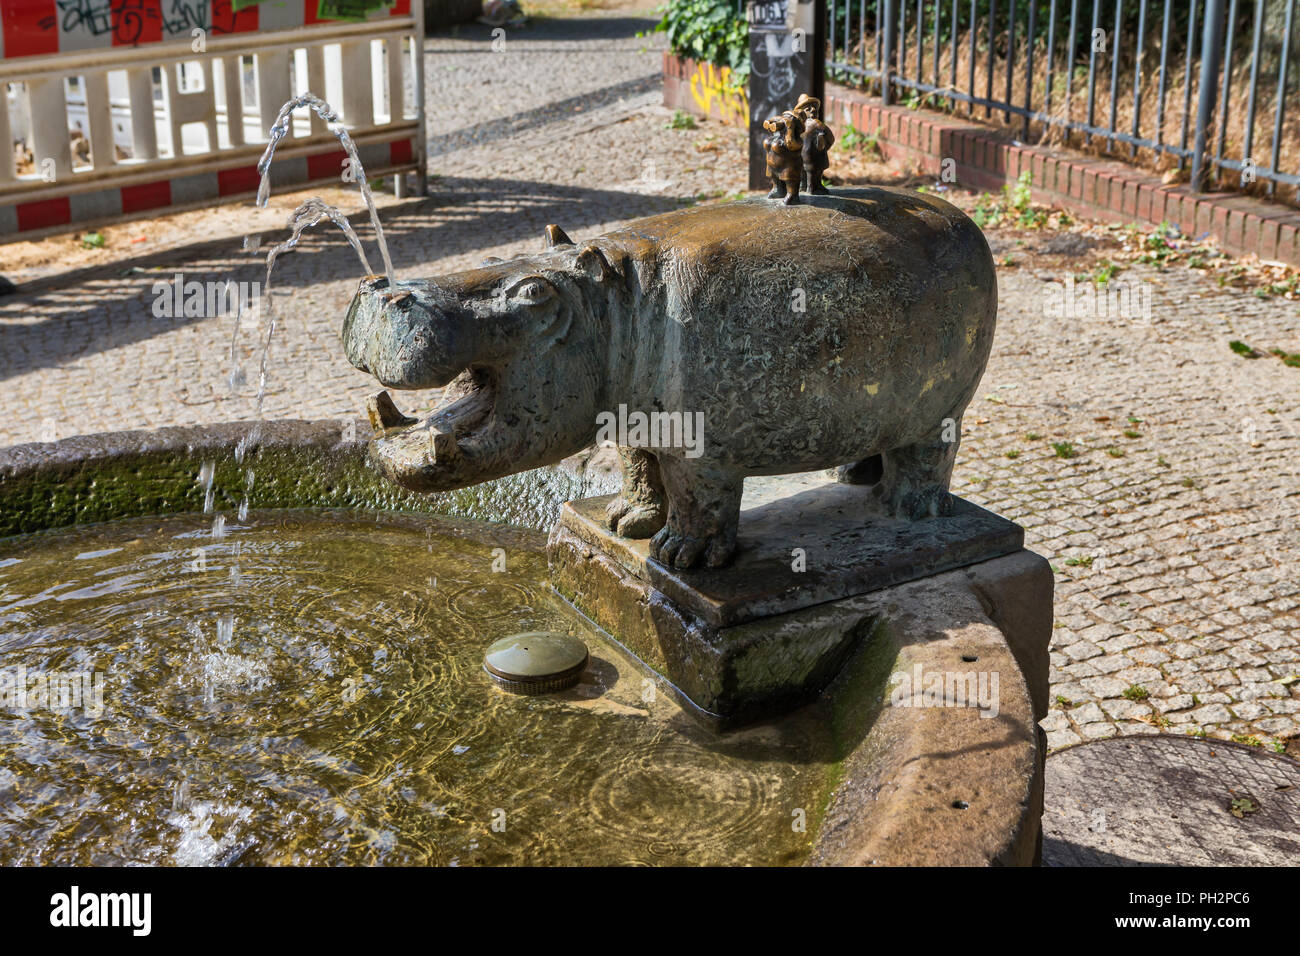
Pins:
x,y
1130,57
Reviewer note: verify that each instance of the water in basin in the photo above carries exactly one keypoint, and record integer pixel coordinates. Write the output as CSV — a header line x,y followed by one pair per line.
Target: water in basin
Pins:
x,y
327,705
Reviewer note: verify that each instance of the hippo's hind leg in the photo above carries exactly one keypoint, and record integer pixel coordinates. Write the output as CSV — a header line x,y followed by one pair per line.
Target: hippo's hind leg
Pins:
x,y
703,514
916,477
640,509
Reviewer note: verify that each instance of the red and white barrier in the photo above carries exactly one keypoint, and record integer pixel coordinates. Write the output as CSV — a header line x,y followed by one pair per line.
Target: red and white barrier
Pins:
x,y
174,98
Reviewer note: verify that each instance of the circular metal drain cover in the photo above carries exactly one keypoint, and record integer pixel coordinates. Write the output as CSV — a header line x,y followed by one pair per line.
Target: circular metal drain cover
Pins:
x,y
539,662
1163,799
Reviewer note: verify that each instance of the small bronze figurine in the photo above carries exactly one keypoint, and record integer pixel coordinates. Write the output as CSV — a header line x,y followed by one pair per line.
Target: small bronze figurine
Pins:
x,y
784,150
817,142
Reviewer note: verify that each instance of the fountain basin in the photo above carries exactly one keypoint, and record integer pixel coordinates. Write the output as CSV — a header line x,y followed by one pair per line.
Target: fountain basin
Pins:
x,y
860,775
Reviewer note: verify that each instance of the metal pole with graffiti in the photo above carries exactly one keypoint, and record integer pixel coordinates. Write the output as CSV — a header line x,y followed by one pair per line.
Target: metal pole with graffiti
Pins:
x,y
787,58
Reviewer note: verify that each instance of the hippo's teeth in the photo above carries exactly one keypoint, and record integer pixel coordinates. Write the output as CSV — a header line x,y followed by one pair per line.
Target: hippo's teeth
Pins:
x,y
442,445
384,414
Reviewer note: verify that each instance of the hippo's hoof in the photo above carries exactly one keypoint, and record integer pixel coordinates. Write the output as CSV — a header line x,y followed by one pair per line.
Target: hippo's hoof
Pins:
x,y
685,551
634,521
932,502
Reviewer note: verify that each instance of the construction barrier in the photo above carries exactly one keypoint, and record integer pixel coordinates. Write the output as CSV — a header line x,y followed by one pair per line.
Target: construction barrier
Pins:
x,y
122,108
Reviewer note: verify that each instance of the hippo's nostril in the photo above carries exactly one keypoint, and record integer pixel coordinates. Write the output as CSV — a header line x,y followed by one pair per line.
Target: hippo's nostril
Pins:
x,y
372,282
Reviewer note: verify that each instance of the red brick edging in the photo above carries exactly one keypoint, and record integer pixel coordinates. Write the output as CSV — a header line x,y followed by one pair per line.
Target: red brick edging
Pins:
x,y
1084,185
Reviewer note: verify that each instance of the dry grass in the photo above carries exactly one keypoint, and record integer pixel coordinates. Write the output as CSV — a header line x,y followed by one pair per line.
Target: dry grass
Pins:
x,y
1075,107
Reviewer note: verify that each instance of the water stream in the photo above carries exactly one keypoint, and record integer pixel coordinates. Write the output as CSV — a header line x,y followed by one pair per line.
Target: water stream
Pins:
x,y
308,214
280,129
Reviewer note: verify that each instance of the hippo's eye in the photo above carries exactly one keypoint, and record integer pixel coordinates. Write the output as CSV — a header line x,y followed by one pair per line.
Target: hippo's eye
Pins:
x,y
533,289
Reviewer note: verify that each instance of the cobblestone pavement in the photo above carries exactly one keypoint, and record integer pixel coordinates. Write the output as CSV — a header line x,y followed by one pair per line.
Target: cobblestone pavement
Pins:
x,y
1173,528
1155,468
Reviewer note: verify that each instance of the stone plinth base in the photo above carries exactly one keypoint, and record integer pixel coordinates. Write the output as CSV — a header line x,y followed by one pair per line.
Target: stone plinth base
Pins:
x,y
925,643
770,630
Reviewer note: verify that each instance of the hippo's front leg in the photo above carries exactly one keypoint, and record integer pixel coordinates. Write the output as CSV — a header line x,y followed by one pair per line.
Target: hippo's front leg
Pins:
x,y
640,510
703,513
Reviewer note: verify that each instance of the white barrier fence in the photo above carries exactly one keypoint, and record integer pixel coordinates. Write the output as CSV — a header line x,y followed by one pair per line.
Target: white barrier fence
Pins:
x,y
114,109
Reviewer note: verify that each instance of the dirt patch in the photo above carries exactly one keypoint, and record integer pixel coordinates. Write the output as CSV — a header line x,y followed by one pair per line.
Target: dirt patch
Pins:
x,y
1027,235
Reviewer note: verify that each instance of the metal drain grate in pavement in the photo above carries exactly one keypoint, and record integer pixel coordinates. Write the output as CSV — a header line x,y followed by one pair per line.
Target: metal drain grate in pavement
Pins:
x,y
1163,799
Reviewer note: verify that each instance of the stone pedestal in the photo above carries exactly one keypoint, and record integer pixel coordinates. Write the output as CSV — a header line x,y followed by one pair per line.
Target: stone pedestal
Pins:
x,y
925,642
770,630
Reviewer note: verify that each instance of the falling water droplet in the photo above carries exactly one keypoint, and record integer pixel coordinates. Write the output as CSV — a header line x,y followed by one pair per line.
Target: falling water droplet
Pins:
x,y
206,474
219,527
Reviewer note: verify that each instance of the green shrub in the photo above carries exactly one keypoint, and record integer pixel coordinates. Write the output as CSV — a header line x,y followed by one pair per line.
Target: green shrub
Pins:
x,y
708,31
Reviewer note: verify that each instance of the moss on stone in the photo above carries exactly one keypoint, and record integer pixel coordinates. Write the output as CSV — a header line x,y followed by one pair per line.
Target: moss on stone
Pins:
x,y
295,465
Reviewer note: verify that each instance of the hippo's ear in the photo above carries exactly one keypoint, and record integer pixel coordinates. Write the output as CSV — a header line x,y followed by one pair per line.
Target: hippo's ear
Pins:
x,y
555,236
593,263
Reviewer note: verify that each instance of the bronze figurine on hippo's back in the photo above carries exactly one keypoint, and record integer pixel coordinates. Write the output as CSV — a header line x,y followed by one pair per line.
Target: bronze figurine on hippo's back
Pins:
x,y
784,150
817,142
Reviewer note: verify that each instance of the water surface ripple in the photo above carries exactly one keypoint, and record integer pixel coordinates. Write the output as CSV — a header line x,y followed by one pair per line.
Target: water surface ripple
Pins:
x,y
329,706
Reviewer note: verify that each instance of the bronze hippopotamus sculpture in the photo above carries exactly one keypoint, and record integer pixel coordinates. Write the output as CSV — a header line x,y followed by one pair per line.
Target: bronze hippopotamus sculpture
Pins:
x,y
848,331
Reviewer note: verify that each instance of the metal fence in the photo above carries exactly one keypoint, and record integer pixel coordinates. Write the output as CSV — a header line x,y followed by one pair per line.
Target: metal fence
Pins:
x,y
1133,75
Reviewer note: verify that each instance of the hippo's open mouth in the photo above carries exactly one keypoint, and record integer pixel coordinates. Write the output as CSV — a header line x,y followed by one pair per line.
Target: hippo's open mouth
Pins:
x,y
445,449
467,404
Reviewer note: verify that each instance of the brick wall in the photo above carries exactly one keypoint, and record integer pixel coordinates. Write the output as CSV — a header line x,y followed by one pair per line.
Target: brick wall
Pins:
x,y
702,89
1084,185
